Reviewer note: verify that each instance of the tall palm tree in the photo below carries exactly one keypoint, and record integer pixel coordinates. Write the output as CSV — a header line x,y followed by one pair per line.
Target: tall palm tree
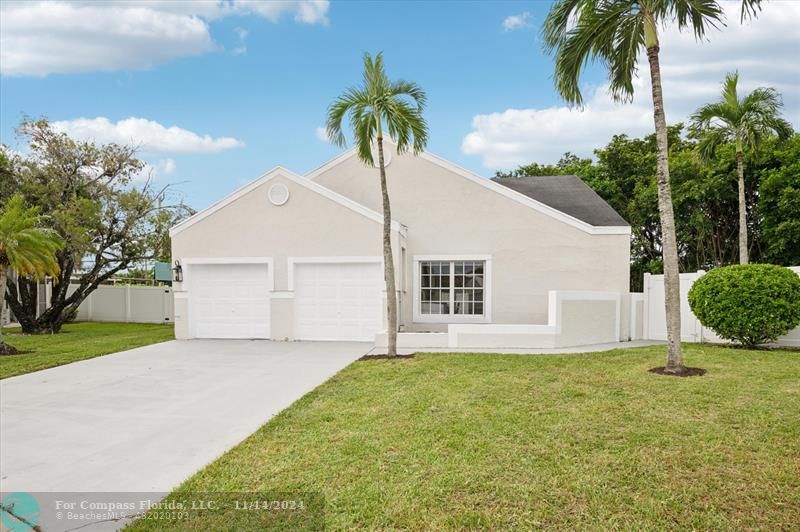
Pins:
x,y
25,247
744,122
615,32
379,104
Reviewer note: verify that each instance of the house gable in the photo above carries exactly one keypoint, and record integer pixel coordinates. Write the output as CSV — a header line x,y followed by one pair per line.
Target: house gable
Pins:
x,y
320,173
294,178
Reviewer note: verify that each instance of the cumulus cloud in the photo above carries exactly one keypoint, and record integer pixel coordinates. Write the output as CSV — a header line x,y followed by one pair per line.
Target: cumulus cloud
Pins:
x,y
41,38
150,135
516,22
763,50
516,136
303,11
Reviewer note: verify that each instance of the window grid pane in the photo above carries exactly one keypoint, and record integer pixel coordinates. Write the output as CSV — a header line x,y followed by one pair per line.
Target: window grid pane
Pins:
x,y
467,283
435,281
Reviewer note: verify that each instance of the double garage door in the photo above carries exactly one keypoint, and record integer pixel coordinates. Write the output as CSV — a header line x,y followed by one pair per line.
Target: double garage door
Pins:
x,y
332,301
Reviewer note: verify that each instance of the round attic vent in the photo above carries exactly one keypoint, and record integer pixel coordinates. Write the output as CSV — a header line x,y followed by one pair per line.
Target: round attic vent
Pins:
x,y
278,194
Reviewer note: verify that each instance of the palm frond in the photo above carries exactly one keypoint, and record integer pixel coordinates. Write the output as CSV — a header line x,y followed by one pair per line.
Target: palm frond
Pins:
x,y
379,102
730,93
612,32
699,15
622,63
711,140
747,120
412,90
713,114
750,9
25,246
592,38
351,98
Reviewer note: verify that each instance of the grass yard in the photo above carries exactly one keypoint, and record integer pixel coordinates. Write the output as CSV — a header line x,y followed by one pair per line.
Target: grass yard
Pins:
x,y
77,341
526,442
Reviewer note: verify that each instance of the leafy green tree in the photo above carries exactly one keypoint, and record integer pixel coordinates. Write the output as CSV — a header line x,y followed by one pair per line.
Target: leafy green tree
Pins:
x,y
568,164
92,196
25,247
379,104
614,32
779,205
745,122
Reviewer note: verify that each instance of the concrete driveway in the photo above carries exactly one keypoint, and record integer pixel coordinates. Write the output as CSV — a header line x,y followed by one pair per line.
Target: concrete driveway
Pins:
x,y
146,419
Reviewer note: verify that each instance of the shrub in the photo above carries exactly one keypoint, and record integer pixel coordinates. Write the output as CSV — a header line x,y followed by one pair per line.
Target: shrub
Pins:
x,y
748,303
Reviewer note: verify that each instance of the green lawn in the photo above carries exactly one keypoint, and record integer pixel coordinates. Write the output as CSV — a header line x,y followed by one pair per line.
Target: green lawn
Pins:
x,y
529,442
77,341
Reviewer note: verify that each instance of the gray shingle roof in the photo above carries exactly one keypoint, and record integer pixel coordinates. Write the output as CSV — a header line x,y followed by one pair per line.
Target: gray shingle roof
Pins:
x,y
568,194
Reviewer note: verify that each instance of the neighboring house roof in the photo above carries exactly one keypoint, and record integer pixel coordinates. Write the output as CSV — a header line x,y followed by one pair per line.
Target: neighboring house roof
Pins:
x,y
568,194
295,178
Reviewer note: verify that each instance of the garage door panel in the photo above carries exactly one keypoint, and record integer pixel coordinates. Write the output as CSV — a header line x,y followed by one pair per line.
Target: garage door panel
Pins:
x,y
229,300
338,301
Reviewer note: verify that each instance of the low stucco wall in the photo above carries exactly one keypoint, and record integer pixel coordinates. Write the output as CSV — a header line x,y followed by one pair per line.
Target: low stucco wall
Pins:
x,y
574,319
588,322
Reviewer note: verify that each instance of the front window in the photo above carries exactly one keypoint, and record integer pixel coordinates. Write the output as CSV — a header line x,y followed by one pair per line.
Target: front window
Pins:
x,y
452,288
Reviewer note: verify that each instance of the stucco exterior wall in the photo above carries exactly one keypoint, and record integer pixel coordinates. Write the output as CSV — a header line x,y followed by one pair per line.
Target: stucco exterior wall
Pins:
x,y
588,322
308,225
445,213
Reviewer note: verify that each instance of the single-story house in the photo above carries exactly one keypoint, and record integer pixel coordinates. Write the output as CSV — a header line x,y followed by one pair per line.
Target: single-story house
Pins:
x,y
291,257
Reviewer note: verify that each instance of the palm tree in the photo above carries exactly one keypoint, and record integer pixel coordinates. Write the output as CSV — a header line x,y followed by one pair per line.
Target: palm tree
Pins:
x,y
744,122
25,247
615,32
379,104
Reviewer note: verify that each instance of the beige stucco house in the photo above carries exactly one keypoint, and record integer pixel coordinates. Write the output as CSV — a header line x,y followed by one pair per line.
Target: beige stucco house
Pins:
x,y
291,257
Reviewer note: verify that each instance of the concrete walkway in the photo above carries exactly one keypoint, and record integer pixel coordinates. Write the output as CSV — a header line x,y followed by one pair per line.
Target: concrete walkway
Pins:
x,y
147,419
591,348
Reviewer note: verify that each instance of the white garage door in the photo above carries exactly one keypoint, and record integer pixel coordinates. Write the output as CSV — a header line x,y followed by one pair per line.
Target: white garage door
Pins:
x,y
229,300
341,301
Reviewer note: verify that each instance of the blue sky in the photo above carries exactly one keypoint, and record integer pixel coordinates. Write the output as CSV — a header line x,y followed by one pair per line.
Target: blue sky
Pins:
x,y
264,74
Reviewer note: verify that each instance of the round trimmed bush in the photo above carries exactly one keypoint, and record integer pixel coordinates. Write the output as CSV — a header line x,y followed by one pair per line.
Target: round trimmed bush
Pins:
x,y
749,303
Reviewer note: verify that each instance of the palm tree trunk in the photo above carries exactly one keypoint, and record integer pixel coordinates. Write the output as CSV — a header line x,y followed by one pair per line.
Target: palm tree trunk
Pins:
x,y
388,258
743,251
669,244
5,349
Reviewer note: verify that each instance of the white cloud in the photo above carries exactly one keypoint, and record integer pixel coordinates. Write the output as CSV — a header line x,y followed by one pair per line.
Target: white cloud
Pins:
x,y
150,135
515,136
304,11
516,22
764,50
322,134
41,38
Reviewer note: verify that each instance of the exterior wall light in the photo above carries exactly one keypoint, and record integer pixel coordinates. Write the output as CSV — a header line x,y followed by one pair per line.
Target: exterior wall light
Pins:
x,y
178,278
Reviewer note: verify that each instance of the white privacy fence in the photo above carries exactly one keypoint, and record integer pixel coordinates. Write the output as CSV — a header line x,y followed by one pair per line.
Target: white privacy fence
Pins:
x,y
655,327
134,304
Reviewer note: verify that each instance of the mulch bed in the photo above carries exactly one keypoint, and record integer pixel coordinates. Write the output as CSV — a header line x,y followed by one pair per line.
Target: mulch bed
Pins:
x,y
688,372
385,357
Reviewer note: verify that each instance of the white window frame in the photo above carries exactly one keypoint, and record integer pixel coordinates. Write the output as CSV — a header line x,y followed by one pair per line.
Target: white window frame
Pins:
x,y
419,317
